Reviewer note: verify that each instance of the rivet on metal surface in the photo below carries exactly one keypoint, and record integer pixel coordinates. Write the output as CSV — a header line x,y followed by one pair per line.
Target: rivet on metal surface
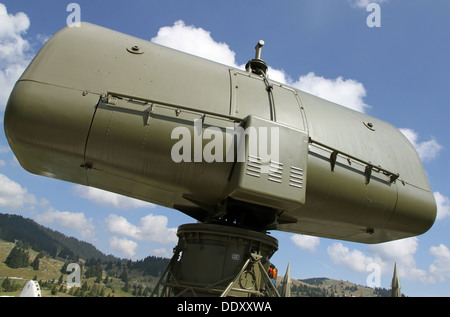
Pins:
x,y
135,49
369,125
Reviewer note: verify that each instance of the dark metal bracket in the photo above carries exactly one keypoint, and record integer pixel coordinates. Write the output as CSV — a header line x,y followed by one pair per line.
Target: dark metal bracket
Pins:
x,y
369,166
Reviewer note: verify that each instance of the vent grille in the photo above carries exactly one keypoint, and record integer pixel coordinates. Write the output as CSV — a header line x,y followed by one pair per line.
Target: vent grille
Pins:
x,y
254,166
296,177
276,172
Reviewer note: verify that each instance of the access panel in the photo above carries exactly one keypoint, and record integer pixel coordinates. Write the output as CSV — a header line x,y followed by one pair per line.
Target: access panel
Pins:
x,y
271,165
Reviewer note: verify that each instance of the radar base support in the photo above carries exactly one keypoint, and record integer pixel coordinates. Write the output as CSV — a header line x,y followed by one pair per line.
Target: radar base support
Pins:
x,y
218,261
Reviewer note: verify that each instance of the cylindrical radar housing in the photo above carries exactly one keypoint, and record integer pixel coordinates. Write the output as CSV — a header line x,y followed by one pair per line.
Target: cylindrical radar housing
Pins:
x,y
223,145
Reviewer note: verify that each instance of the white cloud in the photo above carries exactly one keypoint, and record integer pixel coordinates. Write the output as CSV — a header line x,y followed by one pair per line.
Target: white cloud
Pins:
x,y
71,220
151,228
14,50
404,249
440,268
304,242
195,41
443,205
162,253
154,228
279,76
123,245
400,251
43,38
364,3
12,195
427,150
119,225
15,197
346,92
354,260
4,149
106,198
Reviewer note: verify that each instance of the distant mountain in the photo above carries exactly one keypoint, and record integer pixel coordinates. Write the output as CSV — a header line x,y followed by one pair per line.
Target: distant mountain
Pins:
x,y
58,245
325,287
40,238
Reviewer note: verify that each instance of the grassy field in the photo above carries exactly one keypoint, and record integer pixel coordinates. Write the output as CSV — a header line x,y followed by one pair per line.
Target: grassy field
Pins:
x,y
49,269
50,272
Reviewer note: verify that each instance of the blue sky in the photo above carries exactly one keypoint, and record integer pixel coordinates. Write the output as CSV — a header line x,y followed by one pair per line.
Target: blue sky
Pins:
x,y
397,72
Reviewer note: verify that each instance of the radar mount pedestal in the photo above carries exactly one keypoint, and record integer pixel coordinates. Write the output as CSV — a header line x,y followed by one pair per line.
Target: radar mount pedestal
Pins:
x,y
218,261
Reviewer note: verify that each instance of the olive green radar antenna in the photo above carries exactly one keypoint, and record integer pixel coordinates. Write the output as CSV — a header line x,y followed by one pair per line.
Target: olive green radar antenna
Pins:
x,y
217,260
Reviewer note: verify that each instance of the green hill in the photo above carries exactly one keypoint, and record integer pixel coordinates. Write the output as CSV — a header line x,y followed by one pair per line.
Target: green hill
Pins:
x,y
105,275
102,275
122,278
40,238
325,287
